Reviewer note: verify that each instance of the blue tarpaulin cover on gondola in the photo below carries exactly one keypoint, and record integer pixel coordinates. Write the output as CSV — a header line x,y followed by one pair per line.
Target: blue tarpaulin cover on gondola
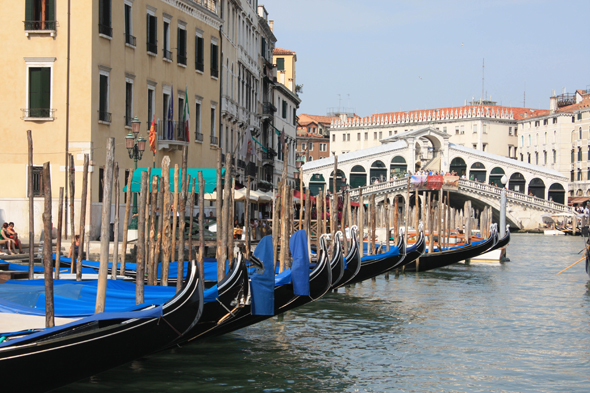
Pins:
x,y
300,266
263,285
76,298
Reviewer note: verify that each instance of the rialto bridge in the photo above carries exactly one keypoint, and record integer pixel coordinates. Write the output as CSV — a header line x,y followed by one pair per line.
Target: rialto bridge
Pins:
x,y
532,190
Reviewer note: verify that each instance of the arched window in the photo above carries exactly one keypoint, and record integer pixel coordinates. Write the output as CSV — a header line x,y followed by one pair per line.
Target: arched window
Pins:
x,y
478,172
398,166
358,176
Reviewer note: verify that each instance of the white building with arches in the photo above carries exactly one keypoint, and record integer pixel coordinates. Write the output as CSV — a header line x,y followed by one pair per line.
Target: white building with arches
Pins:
x,y
429,149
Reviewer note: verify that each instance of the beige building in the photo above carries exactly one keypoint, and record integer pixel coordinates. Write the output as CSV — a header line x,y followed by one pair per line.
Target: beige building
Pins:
x,y
81,70
485,127
560,139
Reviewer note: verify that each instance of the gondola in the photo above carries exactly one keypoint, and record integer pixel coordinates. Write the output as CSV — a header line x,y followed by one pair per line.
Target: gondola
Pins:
x,y
284,293
414,251
337,263
60,355
353,260
374,265
453,255
221,302
503,242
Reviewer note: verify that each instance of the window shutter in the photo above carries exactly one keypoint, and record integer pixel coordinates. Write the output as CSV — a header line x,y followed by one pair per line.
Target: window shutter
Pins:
x,y
34,90
102,104
280,64
29,10
45,89
101,12
50,10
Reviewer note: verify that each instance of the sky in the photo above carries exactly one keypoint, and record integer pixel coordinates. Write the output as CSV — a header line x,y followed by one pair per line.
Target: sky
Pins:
x,y
399,55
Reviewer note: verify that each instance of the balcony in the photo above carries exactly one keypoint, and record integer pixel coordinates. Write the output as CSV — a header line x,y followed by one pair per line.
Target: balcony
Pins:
x,y
199,137
199,65
241,164
171,135
181,59
269,155
268,108
105,30
167,54
37,114
40,26
130,40
152,47
214,140
251,169
105,117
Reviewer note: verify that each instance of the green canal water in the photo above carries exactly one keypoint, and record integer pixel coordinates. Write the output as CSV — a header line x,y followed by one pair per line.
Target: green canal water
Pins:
x,y
517,327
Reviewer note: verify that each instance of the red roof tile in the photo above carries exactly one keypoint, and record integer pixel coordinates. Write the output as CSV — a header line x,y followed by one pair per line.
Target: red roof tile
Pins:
x,y
281,51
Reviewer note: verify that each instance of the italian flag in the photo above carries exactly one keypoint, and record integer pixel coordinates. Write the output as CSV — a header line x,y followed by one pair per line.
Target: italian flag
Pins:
x,y
186,117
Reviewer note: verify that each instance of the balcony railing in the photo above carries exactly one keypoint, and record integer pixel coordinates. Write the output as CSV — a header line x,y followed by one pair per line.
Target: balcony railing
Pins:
x,y
171,131
268,108
199,137
241,164
200,66
105,116
33,25
214,140
130,40
38,113
105,30
181,59
167,54
152,47
128,122
251,169
214,72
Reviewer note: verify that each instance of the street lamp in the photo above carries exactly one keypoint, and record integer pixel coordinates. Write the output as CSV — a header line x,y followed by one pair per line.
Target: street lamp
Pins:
x,y
503,202
135,148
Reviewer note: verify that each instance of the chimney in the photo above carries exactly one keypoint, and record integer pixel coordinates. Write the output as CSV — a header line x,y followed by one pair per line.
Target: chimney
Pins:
x,y
553,104
271,24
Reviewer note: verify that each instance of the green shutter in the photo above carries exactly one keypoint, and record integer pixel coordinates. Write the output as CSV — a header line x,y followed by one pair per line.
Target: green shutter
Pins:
x,y
280,64
29,10
39,91
50,10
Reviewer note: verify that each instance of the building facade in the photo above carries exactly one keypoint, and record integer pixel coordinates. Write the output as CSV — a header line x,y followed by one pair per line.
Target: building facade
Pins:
x,y
485,127
81,71
560,139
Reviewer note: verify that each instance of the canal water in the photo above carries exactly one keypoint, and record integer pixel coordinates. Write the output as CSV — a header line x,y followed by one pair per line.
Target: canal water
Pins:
x,y
517,327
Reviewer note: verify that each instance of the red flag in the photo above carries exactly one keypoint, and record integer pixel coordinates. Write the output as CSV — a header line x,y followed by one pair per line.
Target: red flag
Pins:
x,y
152,137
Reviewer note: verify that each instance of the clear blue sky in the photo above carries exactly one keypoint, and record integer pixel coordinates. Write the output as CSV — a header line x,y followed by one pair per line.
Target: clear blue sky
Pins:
x,y
411,54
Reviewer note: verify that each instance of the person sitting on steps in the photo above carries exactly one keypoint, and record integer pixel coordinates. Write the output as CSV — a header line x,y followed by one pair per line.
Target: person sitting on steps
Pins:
x,y
10,243
14,236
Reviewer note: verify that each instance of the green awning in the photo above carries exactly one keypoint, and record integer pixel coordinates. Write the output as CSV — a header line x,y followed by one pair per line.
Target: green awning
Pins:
x,y
209,175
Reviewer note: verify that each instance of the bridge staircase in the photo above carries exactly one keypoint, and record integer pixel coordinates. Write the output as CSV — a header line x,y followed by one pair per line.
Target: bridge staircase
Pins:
x,y
524,211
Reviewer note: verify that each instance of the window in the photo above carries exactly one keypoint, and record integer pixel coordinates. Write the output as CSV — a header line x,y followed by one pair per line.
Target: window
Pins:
x,y
213,121
444,130
580,133
343,137
40,15
485,130
475,128
555,120
554,156
310,146
509,130
280,64
214,60
588,154
40,74
100,184
358,136
294,116
284,109
579,175
536,158
152,33
545,122
537,123
375,135
528,157
529,139
303,146
580,116
181,49
166,40
463,129
485,147
521,157
310,158
129,102
199,52
572,175
522,140
544,157
545,137
348,137
198,133
573,156
366,136
104,18
37,181
103,97
380,135
456,130
389,132
333,137
165,109
579,154
129,38
475,145
151,108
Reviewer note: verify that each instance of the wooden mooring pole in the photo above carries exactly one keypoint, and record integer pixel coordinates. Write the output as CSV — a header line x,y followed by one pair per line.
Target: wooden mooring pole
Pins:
x,y
47,248
31,207
83,220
